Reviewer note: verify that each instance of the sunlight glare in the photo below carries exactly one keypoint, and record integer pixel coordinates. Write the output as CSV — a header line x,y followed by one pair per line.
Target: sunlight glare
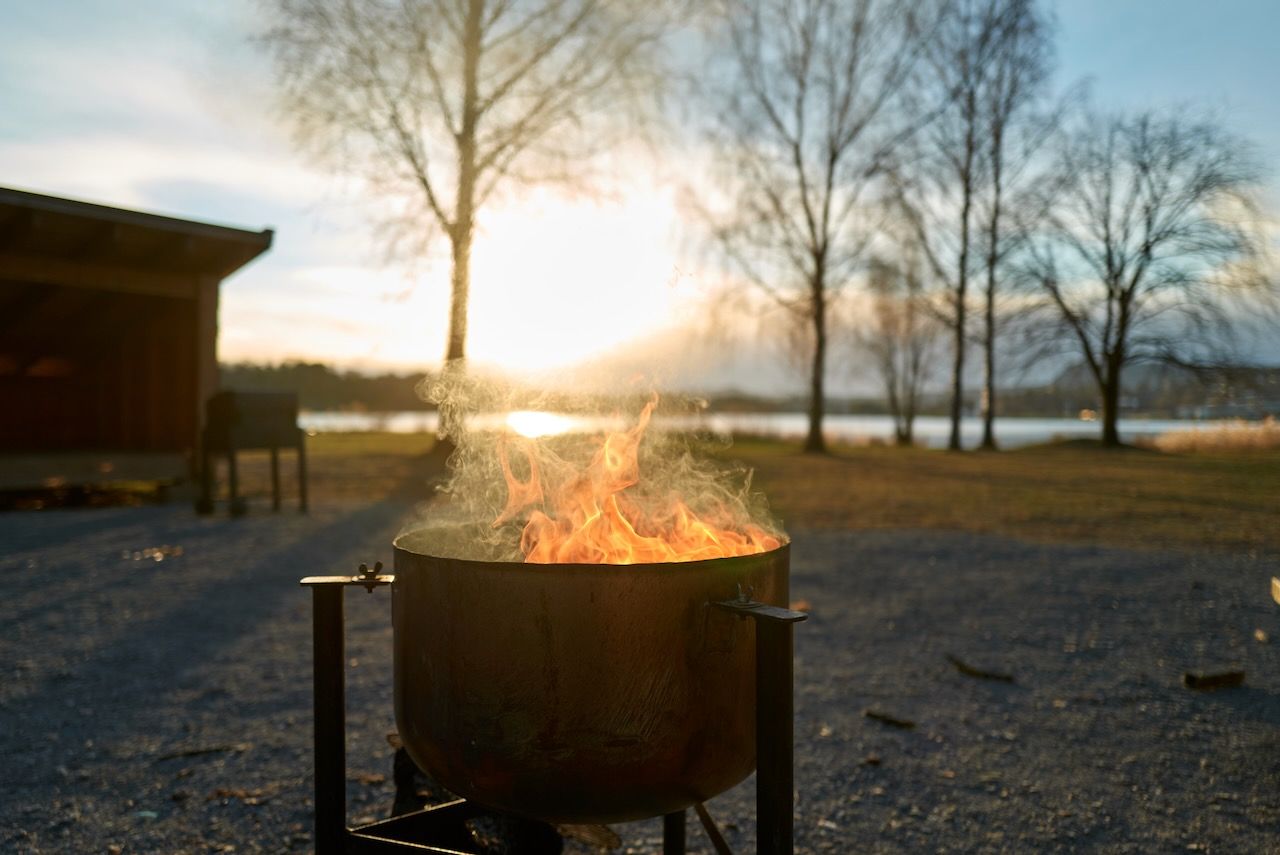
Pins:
x,y
536,423
556,281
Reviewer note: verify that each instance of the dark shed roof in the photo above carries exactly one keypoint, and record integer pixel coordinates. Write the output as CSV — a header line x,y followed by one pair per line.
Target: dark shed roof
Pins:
x,y
66,230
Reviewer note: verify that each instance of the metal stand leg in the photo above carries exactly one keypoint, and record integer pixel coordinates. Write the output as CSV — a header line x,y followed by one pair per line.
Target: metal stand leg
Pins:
x,y
302,471
673,834
330,705
204,504
239,507
275,478
775,726
775,737
331,720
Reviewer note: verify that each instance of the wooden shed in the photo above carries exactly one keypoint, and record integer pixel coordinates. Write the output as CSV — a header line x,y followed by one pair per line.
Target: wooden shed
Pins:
x,y
108,337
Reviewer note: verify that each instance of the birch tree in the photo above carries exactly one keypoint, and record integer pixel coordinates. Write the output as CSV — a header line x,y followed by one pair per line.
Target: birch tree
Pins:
x,y
938,179
441,104
900,336
807,103
1014,132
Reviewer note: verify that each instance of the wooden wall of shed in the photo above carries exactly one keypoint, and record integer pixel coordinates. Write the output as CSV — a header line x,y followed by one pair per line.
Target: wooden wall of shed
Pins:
x,y
95,370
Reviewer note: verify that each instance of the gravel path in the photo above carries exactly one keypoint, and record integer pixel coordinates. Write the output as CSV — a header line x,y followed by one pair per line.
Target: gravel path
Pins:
x,y
164,705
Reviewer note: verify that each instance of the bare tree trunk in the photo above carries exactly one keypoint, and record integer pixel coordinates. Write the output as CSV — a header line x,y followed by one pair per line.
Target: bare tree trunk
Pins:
x,y
899,412
464,217
957,371
962,295
460,288
814,442
895,407
1111,405
962,278
989,372
462,229
989,331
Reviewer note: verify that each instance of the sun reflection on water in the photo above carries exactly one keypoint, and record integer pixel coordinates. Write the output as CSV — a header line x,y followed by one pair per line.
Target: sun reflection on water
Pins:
x,y
536,423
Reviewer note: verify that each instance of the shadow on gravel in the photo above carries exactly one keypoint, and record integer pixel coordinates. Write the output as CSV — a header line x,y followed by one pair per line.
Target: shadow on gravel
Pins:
x,y
229,602
32,530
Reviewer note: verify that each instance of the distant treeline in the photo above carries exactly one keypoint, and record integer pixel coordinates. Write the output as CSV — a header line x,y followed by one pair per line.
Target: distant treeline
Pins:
x,y
320,387
1153,390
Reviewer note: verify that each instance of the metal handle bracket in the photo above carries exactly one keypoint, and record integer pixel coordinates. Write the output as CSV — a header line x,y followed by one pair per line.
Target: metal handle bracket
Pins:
x,y
761,611
368,578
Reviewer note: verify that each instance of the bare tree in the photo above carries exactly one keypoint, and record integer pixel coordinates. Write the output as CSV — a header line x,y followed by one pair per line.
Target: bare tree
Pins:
x,y
807,108
1014,85
900,334
938,180
1152,248
444,102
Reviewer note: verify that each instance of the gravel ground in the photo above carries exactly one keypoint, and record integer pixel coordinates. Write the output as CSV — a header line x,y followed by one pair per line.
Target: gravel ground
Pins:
x,y
164,705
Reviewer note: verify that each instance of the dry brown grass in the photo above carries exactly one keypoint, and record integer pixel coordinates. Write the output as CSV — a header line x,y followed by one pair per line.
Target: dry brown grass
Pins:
x,y
1237,435
1073,492
1067,492
348,466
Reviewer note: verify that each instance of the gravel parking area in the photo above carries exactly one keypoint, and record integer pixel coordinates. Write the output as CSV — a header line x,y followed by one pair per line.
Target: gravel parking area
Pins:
x,y
156,691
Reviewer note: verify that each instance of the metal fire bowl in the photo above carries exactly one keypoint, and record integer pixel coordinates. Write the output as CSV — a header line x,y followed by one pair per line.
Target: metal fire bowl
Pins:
x,y
578,693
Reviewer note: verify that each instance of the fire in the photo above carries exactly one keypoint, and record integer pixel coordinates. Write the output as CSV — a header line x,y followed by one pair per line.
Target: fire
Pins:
x,y
587,516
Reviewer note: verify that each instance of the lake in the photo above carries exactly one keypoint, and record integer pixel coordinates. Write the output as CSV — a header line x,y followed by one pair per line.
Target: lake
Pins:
x,y
931,431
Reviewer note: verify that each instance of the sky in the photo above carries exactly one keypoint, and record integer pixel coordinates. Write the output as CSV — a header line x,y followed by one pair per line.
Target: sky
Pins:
x,y
170,107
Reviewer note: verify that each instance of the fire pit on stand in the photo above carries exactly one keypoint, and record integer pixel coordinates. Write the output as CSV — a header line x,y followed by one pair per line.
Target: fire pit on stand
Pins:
x,y
570,693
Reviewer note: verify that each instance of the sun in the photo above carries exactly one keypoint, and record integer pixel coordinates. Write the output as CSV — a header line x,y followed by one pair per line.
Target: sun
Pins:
x,y
556,282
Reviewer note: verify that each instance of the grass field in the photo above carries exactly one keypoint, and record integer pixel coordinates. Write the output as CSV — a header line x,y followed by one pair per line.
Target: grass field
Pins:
x,y
1067,492
1070,492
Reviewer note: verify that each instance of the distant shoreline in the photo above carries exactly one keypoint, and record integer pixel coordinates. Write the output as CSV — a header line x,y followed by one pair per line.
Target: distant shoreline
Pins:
x,y
930,431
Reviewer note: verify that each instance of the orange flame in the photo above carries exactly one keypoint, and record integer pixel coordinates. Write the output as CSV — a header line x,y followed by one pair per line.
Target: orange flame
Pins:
x,y
590,519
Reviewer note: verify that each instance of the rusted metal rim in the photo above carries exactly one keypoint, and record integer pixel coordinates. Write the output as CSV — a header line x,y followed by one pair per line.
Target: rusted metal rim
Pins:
x,y
404,543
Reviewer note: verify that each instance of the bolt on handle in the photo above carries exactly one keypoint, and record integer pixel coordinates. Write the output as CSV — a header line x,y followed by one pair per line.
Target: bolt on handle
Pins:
x,y
369,575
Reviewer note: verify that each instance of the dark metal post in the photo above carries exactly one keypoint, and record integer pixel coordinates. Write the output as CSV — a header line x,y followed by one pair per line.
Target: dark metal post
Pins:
x,y
775,728
238,506
330,717
302,470
275,478
673,834
204,504
775,736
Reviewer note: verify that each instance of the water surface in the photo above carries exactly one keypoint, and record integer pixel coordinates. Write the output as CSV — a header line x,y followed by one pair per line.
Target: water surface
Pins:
x,y
931,431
